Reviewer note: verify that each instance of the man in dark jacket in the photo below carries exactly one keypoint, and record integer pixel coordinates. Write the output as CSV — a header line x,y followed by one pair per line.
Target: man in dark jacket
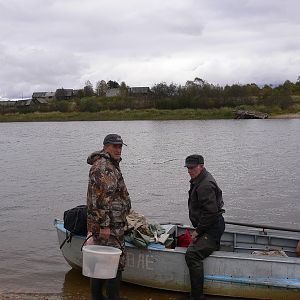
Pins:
x,y
205,211
108,204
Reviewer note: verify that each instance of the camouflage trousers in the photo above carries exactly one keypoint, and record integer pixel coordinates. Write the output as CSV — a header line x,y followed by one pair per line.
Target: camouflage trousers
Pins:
x,y
116,239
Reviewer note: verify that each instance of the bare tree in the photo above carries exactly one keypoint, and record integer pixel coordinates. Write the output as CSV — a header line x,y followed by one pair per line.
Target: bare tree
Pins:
x,y
101,88
88,89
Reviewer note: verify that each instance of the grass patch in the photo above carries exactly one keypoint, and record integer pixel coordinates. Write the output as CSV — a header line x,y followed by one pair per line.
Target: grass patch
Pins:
x,y
144,114
121,115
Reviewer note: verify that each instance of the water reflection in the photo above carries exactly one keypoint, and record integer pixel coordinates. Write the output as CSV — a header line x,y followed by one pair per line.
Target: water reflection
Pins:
x,y
76,286
134,292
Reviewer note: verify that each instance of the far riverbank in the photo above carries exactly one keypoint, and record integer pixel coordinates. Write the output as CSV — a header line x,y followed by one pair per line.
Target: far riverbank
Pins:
x,y
130,115
286,116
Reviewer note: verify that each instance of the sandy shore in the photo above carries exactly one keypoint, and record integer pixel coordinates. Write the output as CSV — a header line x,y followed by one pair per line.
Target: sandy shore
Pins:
x,y
287,116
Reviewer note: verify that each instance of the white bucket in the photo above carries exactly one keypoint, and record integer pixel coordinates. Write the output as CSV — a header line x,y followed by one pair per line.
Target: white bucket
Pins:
x,y
100,261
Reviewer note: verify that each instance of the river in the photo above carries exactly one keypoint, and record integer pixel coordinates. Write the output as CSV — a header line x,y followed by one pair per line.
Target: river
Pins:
x,y
44,172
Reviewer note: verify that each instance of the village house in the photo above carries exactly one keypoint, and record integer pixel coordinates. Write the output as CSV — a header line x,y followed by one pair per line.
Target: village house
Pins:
x,y
64,94
76,92
113,92
139,91
132,91
43,97
38,99
24,103
7,106
13,106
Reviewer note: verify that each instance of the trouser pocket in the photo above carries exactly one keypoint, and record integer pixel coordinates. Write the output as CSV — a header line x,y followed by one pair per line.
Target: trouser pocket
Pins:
x,y
201,248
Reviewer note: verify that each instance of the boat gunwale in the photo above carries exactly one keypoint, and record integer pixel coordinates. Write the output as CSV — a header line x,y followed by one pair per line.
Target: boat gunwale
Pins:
x,y
290,284
216,254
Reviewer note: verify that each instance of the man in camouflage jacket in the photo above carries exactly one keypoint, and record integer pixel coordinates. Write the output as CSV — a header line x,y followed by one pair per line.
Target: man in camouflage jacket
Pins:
x,y
108,204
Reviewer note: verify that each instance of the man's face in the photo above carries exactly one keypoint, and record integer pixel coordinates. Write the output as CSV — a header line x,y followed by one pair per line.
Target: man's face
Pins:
x,y
114,151
194,171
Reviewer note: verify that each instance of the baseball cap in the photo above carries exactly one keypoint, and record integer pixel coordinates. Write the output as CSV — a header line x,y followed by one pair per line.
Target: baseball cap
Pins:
x,y
193,160
113,139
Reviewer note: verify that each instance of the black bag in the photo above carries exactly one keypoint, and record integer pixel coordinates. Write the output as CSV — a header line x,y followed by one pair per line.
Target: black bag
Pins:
x,y
75,220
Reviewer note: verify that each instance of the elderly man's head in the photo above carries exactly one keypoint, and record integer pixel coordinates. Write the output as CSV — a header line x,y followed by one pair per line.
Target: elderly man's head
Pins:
x,y
113,144
195,164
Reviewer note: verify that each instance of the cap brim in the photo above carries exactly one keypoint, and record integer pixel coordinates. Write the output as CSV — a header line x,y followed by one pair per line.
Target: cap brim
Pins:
x,y
190,165
117,143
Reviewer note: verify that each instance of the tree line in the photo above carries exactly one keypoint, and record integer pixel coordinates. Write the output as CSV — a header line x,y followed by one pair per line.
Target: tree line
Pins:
x,y
194,94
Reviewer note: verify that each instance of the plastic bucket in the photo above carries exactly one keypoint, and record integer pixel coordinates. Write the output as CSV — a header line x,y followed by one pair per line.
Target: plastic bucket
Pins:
x,y
100,261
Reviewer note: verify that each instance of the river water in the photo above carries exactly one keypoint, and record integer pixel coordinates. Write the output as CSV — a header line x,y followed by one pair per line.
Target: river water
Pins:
x,y
44,172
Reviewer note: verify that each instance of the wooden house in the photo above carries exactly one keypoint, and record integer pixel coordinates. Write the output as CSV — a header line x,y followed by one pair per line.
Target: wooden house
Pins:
x,y
43,97
113,92
64,94
139,91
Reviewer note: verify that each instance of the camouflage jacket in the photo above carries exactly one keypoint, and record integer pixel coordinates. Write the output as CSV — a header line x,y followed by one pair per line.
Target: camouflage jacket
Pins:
x,y
108,200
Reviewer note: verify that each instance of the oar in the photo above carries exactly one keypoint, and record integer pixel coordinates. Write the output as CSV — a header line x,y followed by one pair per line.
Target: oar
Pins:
x,y
263,226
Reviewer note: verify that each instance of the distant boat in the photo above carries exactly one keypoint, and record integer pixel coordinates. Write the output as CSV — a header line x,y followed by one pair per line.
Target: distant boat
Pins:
x,y
245,114
242,267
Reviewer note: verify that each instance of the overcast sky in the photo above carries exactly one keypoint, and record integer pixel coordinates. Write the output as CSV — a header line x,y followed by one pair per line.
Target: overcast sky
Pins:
x,y
48,44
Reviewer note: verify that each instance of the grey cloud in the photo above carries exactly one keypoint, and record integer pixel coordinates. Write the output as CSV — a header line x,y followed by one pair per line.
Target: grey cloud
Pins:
x,y
28,68
52,43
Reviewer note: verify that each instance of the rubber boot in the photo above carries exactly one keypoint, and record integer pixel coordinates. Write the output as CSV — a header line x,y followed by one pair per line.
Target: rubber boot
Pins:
x,y
96,286
113,287
197,281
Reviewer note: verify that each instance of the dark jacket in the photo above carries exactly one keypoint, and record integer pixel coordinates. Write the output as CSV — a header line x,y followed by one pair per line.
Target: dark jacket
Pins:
x,y
205,202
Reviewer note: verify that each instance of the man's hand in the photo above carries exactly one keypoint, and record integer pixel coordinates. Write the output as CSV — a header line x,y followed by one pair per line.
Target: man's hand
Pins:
x,y
105,233
90,241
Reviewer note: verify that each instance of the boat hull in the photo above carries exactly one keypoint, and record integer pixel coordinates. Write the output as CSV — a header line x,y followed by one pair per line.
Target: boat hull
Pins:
x,y
226,273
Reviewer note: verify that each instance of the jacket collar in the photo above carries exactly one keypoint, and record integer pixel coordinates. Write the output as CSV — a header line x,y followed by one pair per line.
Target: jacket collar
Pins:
x,y
199,178
98,154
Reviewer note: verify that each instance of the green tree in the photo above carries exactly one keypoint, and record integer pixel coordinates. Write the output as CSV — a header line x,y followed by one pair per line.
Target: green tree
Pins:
x,y
123,89
89,105
297,86
61,105
266,91
199,81
162,89
80,93
193,88
251,89
112,84
279,98
287,87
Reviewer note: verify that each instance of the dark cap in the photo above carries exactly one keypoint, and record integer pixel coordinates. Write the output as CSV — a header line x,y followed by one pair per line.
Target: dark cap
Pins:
x,y
193,160
113,139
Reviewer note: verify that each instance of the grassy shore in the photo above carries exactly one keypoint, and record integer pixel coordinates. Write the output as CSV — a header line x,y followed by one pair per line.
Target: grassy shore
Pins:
x,y
128,115
121,115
